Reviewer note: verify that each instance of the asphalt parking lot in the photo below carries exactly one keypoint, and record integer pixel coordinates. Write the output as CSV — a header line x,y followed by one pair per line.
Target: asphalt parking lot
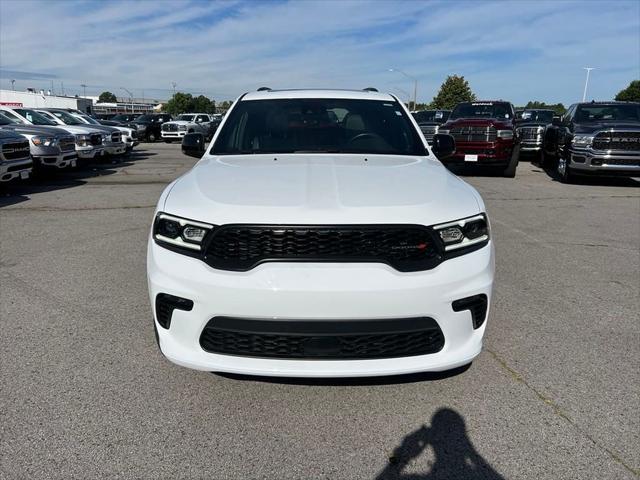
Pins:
x,y
87,394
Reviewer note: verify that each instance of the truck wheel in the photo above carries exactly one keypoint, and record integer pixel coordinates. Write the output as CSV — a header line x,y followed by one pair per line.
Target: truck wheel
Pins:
x,y
564,170
510,171
151,137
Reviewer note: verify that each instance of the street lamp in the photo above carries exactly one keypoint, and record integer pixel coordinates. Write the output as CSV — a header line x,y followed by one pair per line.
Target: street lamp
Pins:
x,y
130,97
174,88
84,89
586,82
12,85
415,84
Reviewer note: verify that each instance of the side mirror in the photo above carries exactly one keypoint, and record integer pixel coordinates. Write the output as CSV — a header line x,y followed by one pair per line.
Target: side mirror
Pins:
x,y
443,145
193,145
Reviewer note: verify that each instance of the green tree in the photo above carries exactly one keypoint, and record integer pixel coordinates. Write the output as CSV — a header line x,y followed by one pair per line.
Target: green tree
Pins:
x,y
556,107
107,97
204,105
631,93
454,89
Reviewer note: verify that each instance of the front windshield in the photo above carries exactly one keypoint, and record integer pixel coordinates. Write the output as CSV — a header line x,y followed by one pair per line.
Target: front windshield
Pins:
x,y
545,116
34,117
186,118
90,120
67,118
318,125
121,118
431,116
482,110
144,118
599,113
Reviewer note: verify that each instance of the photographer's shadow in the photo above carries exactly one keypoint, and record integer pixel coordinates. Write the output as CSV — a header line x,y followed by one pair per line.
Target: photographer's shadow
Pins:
x,y
455,456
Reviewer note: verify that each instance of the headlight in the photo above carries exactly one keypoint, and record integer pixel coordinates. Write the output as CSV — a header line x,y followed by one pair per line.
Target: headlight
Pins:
x,y
105,138
180,233
44,141
465,233
582,140
505,134
82,140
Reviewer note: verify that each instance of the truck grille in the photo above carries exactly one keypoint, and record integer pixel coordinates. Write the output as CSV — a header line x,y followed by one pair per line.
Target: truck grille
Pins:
x,y
242,247
169,127
15,150
530,133
322,339
612,140
474,134
116,137
429,131
67,144
96,139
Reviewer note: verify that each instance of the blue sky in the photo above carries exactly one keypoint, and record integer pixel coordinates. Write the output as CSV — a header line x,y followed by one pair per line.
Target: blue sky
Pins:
x,y
516,50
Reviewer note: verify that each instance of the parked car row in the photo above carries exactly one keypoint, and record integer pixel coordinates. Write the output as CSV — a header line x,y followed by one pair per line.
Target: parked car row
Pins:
x,y
55,139
591,138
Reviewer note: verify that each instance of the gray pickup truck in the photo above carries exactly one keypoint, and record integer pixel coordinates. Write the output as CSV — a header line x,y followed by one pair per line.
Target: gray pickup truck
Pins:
x,y
15,161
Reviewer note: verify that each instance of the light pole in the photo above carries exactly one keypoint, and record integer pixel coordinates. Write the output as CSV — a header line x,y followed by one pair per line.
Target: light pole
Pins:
x,y
130,97
12,85
173,84
415,84
84,89
586,82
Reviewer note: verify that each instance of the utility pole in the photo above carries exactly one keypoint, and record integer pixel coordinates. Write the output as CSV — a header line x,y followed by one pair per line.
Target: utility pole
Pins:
x,y
130,97
174,88
62,85
586,82
415,85
84,88
13,82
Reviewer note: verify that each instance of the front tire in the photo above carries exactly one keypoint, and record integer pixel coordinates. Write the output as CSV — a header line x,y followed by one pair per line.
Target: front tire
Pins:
x,y
151,137
564,170
510,171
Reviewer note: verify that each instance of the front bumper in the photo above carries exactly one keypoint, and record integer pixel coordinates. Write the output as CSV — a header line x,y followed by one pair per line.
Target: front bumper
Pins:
x,y
173,135
319,291
115,148
530,146
496,153
61,160
587,161
14,169
89,152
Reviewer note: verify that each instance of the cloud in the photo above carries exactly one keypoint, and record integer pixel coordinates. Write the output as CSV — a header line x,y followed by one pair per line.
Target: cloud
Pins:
x,y
518,51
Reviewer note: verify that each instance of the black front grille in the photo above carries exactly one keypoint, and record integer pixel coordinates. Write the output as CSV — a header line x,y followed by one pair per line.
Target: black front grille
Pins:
x,y
116,137
474,134
624,141
96,139
322,339
16,150
429,131
242,247
170,127
67,144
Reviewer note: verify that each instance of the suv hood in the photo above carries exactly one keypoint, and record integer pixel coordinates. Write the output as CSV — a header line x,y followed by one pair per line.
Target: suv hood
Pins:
x,y
595,126
9,134
321,189
78,130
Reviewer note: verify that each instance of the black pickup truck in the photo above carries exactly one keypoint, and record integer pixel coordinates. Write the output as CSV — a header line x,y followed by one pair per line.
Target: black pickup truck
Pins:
x,y
530,127
596,138
149,125
430,121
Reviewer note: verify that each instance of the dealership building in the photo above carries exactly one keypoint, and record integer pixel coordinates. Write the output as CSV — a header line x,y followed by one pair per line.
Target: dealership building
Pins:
x,y
43,99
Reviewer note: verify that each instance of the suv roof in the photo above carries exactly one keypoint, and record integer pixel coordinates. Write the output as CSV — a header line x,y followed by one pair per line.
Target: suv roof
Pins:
x,y
318,93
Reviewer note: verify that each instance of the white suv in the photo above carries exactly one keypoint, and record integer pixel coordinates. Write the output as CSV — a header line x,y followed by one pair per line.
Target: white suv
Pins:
x,y
319,236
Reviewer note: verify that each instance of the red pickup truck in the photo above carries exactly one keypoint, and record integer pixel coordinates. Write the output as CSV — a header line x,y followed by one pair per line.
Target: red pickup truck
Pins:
x,y
485,135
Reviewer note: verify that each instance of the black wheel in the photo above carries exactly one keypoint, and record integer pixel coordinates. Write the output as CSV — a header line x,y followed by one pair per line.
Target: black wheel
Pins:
x,y
544,159
510,171
151,137
564,170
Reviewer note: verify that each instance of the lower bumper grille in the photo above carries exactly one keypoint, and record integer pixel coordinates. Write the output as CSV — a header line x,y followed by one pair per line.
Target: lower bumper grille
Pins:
x,y
622,161
322,339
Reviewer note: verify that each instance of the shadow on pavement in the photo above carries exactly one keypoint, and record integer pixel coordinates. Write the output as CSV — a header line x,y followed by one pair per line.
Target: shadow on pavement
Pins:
x,y
354,381
591,180
45,181
455,455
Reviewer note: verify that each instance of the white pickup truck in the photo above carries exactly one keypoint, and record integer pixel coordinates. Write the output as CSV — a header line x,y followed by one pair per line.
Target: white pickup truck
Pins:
x,y
187,123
